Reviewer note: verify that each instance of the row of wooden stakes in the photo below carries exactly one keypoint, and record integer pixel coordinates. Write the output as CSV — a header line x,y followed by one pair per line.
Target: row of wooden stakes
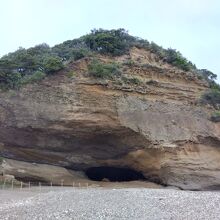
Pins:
x,y
11,184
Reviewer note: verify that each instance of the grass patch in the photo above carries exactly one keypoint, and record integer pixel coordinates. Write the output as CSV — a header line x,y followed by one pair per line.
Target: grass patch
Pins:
x,y
71,74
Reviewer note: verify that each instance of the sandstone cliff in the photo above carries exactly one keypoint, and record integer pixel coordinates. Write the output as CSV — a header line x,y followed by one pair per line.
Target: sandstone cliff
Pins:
x,y
156,126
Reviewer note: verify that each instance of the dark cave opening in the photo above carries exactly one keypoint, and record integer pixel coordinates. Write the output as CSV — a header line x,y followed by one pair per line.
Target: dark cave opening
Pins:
x,y
113,174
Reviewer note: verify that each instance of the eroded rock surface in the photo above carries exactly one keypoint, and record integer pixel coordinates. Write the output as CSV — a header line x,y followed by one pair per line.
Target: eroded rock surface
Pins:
x,y
157,128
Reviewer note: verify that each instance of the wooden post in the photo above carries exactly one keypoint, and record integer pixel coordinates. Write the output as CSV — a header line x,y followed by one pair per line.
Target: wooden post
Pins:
x,y
29,185
4,183
12,184
51,184
79,185
62,183
21,185
73,184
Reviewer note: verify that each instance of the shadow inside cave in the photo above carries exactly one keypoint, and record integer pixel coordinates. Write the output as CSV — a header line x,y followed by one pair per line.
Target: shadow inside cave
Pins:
x,y
113,174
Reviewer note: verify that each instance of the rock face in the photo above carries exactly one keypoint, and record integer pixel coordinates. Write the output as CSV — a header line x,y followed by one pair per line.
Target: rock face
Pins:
x,y
156,128
43,173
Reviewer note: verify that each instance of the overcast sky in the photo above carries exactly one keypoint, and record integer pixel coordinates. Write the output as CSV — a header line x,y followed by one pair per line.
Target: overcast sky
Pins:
x,y
190,26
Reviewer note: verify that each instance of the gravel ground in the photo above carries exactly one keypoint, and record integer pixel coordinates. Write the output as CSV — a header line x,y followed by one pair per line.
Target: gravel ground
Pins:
x,y
101,203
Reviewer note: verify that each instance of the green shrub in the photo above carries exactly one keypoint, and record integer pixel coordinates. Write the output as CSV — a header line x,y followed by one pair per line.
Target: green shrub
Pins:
x,y
52,64
103,70
25,62
129,63
78,54
10,80
200,77
160,51
215,117
135,80
18,67
131,80
69,48
175,57
211,97
209,77
36,76
214,86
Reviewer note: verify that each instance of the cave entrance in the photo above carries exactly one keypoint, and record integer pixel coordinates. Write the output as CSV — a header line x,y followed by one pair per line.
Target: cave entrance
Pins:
x,y
113,174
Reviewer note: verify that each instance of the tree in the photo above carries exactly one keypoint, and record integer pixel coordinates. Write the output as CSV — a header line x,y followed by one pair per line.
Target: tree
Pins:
x,y
8,72
114,42
208,74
